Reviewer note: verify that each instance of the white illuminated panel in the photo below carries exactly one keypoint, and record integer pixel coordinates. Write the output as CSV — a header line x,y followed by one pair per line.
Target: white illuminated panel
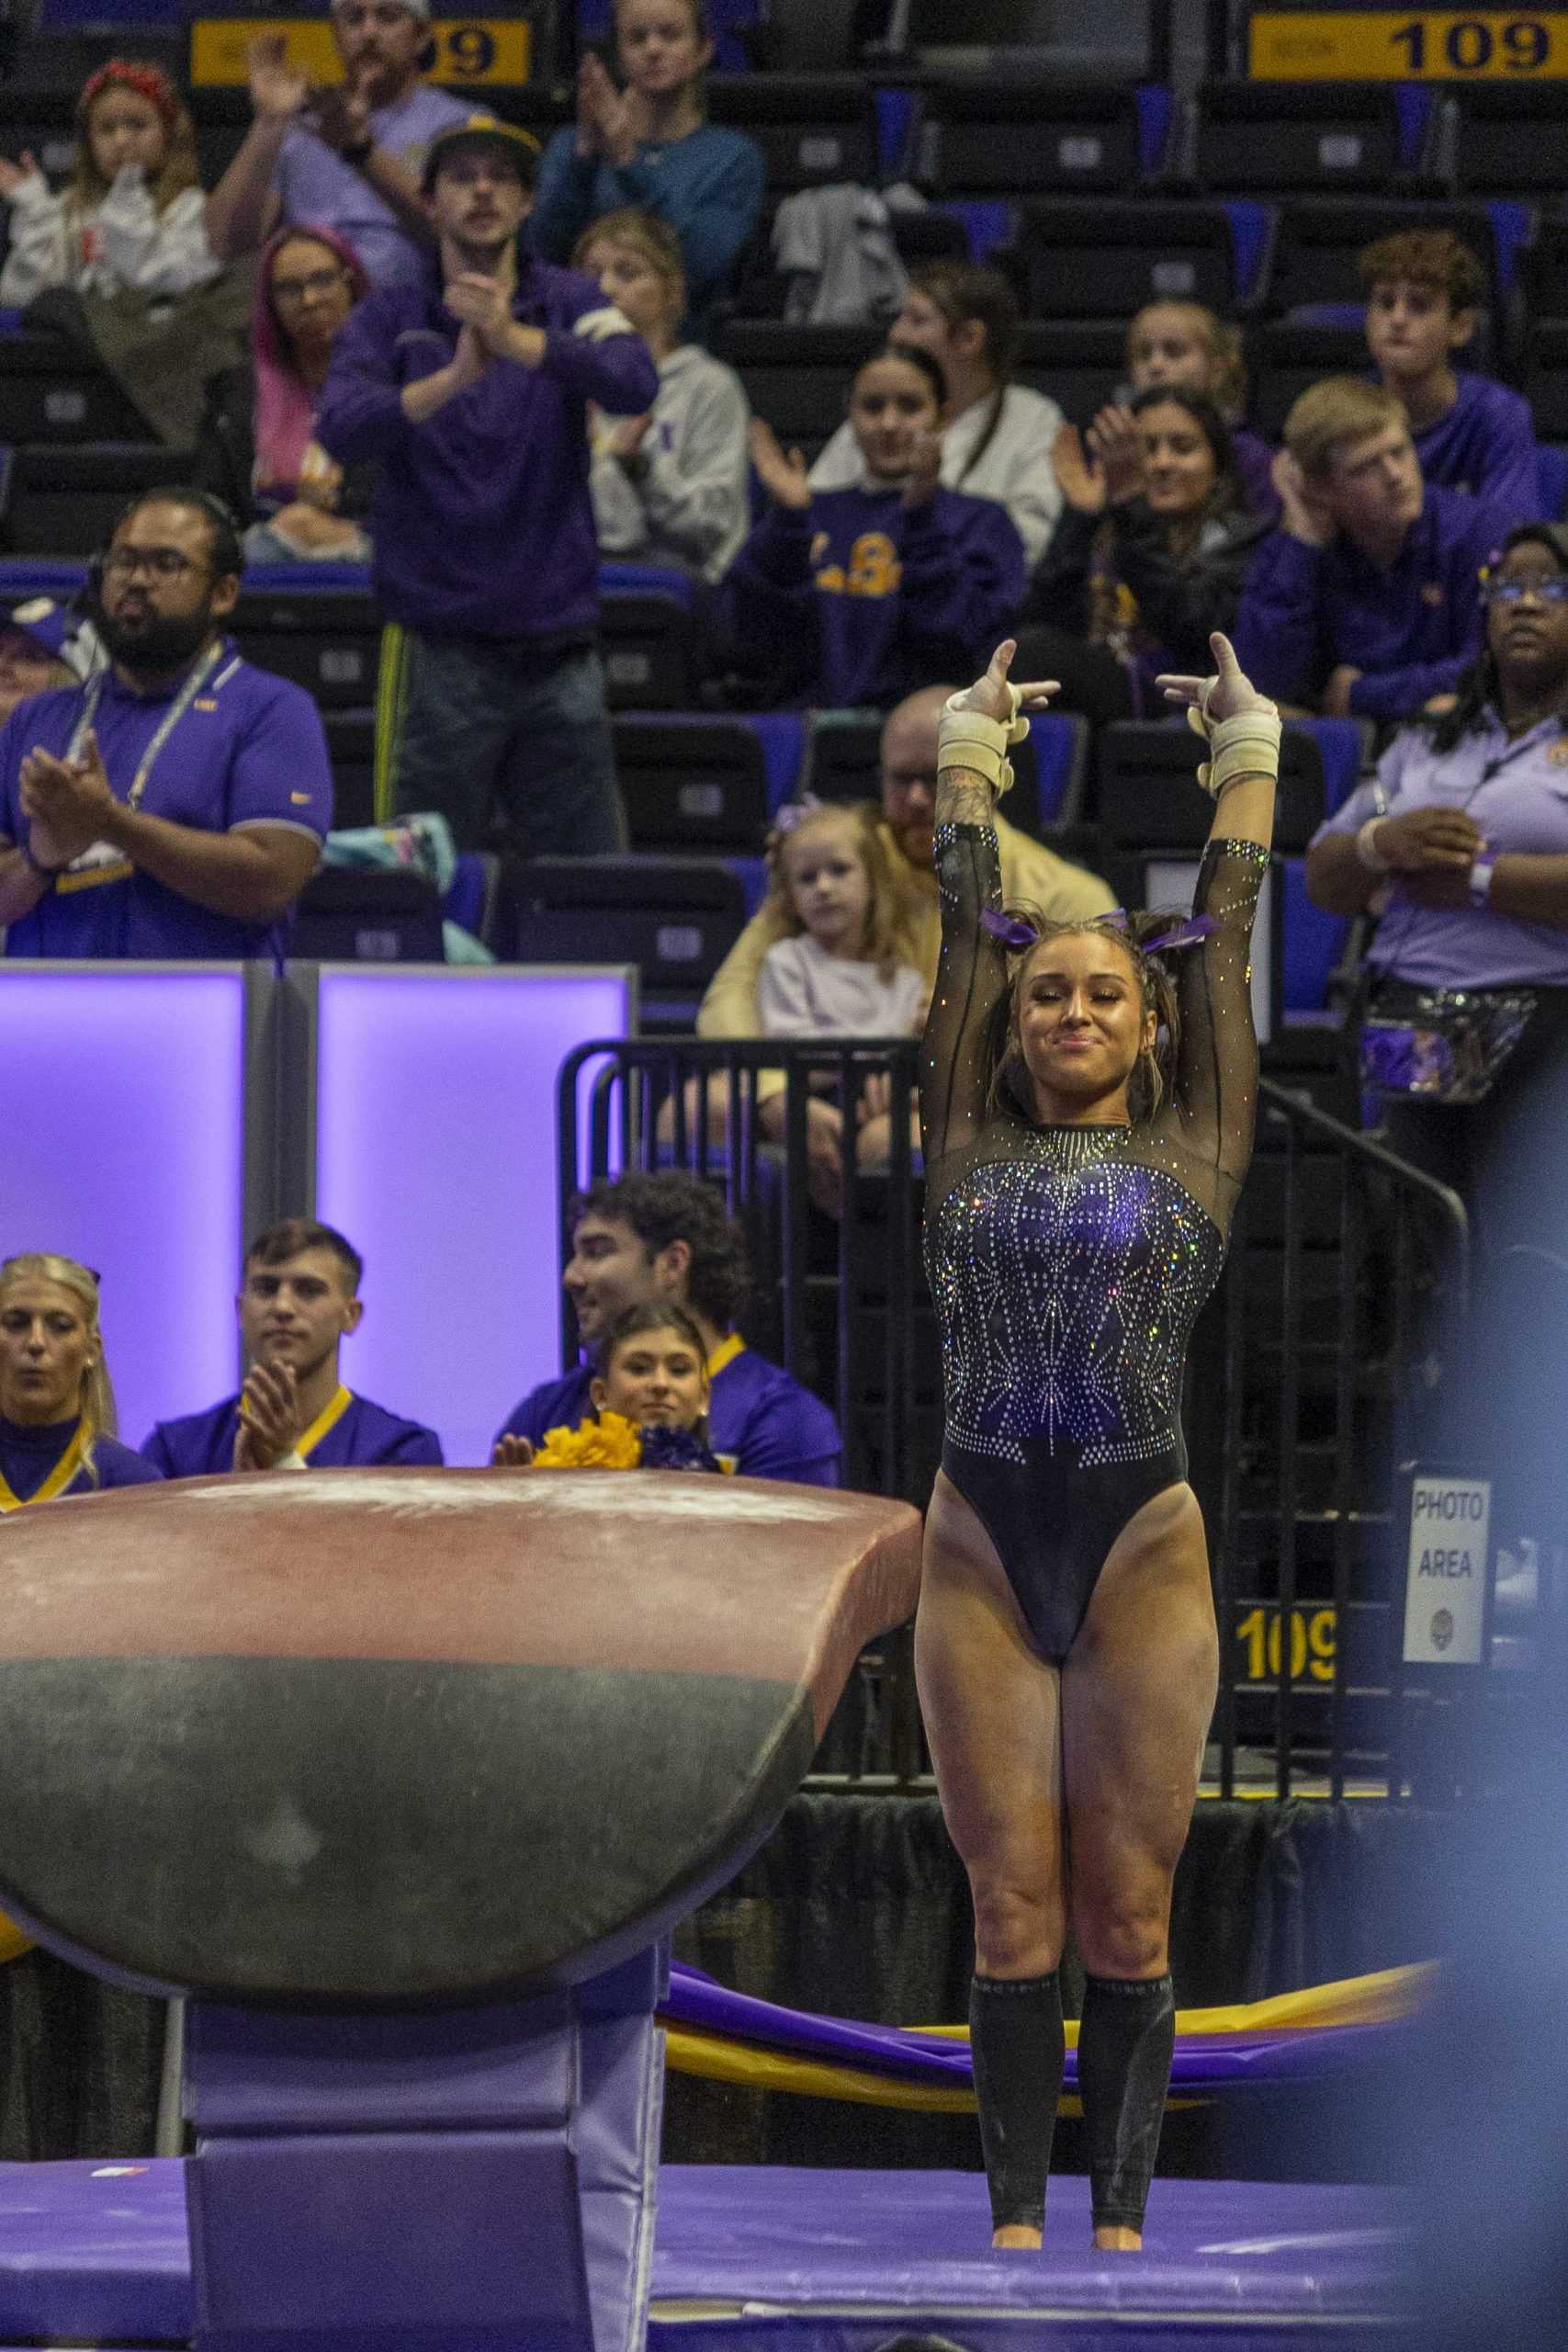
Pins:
x,y
124,1147
435,1154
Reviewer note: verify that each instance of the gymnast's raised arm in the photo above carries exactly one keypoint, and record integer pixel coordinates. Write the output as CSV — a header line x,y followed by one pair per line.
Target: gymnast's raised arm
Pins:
x,y
972,974
1217,1068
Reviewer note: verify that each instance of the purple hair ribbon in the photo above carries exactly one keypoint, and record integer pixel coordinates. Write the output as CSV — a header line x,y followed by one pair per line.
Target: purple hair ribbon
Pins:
x,y
1017,933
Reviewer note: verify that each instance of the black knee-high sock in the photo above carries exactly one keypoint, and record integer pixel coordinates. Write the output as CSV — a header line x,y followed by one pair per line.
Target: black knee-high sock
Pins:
x,y
1126,2039
1016,2042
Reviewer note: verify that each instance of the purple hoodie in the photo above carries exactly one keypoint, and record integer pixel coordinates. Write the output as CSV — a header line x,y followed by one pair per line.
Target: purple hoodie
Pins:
x,y
482,522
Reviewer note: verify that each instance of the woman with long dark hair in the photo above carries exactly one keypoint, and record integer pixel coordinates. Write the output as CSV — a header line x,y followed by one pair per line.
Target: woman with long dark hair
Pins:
x,y
999,436
1148,558
1087,1108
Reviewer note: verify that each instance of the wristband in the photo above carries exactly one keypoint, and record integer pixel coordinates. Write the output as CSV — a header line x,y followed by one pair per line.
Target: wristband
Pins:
x,y
1367,853
968,740
1481,875
1248,744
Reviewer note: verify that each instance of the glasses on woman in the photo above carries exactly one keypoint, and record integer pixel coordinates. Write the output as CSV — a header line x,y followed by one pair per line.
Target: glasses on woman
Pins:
x,y
315,281
1553,591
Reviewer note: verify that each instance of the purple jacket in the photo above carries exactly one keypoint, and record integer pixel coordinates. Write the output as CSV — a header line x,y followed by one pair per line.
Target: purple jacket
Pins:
x,y
1410,631
481,520
1486,445
858,601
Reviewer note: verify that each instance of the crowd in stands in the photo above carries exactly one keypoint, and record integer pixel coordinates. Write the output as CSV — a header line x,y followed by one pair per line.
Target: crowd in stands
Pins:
x,y
657,1283
403,336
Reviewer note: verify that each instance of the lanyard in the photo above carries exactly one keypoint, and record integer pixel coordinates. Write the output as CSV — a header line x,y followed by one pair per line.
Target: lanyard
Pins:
x,y
93,695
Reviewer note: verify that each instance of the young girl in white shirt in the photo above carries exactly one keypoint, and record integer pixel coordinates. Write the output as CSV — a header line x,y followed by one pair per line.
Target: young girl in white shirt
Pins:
x,y
133,213
845,963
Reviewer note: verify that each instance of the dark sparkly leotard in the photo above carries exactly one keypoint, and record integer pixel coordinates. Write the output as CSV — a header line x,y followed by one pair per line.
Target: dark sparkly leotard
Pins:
x,y
1069,1263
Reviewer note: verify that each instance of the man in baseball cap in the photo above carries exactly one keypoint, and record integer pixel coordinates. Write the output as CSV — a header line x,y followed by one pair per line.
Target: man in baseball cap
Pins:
x,y
482,134
349,157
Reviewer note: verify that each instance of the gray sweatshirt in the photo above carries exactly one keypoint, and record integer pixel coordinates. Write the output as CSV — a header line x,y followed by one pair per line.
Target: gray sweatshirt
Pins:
x,y
682,501
1016,469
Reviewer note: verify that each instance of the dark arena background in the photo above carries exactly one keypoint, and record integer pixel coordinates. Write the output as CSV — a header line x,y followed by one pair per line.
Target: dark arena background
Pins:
x,y
451,1908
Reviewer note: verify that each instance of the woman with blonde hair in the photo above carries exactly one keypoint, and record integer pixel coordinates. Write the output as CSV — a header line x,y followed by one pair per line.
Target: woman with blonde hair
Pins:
x,y
57,1408
671,487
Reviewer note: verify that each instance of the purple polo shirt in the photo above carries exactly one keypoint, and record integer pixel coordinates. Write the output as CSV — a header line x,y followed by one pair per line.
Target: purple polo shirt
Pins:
x,y
202,1446
314,185
249,751
1517,794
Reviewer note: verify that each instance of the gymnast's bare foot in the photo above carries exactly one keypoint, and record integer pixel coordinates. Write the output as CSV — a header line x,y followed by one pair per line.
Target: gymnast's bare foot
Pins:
x,y
1019,2235
1119,2241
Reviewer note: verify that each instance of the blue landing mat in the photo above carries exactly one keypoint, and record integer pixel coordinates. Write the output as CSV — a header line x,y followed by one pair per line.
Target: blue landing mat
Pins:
x,y
774,2261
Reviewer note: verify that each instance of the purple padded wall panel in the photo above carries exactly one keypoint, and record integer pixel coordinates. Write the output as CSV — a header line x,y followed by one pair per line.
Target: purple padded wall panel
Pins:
x,y
125,1148
436,1151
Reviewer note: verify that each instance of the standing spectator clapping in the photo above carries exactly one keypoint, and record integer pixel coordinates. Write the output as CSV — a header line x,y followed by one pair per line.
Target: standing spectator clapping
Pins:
x,y
472,390
650,145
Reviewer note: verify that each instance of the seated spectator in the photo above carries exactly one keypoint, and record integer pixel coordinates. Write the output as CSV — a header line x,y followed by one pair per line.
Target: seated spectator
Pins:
x,y
1366,600
1032,876
650,145
1424,290
347,158
57,1412
471,390
1458,845
999,434
857,596
1148,560
665,1239
119,263
1186,348
650,1398
175,804
258,448
300,1302
671,486
42,645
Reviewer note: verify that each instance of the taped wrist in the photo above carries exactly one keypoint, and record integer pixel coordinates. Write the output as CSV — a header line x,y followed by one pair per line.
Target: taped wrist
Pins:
x,y
1248,744
1126,2039
1017,2046
968,740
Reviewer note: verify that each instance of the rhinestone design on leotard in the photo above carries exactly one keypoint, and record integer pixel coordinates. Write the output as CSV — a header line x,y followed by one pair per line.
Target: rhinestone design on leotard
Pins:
x,y
1069,1264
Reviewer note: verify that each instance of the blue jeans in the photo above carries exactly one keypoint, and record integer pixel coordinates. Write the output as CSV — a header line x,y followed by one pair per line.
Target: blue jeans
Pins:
x,y
486,728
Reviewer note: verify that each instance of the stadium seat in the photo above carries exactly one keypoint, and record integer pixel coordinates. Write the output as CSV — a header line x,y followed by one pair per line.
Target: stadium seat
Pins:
x,y
1267,138
1086,260
351,746
1551,474
1142,805
843,758
813,128
1313,944
1286,355
1501,138
1345,749
40,123
472,894
1543,378
346,916
691,783
49,393
1081,363
993,137
1543,272
64,500
843,763
647,636
675,917
326,639
1317,243
798,377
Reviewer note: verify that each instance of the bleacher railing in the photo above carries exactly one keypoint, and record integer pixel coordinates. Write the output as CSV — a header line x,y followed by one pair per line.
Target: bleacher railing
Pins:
x,y
1313,1372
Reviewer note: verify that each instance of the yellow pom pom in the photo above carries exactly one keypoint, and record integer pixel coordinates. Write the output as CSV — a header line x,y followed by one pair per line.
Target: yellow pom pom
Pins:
x,y
611,1442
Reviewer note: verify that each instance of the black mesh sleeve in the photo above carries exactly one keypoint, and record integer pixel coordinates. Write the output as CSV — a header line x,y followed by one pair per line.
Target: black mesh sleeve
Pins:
x,y
1216,1067
970,979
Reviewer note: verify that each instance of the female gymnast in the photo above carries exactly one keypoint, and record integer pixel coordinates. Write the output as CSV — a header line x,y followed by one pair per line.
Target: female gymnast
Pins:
x,y
1087,1126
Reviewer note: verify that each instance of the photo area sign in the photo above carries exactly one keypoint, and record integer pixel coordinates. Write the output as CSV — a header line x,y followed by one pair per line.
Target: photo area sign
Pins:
x,y
1356,43
491,48
1447,1584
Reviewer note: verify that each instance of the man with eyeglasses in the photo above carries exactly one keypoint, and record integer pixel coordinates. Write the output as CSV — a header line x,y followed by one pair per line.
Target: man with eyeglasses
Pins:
x,y
347,158
174,804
